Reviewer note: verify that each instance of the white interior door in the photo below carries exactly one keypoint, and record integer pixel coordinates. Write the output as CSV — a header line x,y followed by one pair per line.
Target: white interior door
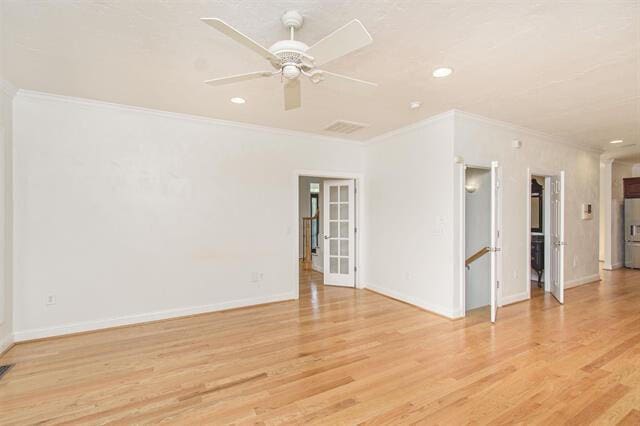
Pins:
x,y
557,236
496,244
339,229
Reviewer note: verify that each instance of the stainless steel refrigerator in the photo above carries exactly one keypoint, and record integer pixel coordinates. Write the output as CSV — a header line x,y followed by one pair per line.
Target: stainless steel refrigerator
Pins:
x,y
632,232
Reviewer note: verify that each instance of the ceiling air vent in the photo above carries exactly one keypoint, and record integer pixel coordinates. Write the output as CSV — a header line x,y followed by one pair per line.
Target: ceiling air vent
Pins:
x,y
345,127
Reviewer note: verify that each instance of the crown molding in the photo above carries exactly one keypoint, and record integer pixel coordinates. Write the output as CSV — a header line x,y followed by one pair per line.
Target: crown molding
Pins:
x,y
625,163
184,117
410,127
8,88
521,129
618,154
11,90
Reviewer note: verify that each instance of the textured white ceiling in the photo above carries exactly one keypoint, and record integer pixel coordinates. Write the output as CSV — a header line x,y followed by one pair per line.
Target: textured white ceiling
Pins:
x,y
571,69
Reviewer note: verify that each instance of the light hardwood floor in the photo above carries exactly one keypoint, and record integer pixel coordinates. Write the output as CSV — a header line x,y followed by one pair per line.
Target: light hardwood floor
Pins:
x,y
344,356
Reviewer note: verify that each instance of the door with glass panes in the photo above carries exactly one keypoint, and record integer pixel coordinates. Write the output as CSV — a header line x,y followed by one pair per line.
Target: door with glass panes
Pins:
x,y
339,232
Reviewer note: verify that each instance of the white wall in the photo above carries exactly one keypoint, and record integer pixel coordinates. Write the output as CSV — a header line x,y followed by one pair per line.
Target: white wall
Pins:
x,y
7,93
602,208
409,214
619,171
479,141
477,236
128,215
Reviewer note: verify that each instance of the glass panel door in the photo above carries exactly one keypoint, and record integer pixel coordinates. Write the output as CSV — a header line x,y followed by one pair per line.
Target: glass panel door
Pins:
x,y
339,268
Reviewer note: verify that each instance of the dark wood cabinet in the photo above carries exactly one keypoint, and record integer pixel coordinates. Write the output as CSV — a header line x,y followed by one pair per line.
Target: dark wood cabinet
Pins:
x,y
537,256
631,187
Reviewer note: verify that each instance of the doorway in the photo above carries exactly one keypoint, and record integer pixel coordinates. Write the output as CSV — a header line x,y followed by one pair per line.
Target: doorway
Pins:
x,y
480,238
327,238
545,235
539,235
477,238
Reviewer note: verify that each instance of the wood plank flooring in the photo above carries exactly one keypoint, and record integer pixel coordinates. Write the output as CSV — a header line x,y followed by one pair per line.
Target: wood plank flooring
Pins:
x,y
344,356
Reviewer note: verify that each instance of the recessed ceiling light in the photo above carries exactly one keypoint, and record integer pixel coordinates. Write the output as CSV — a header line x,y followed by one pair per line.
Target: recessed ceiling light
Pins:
x,y
442,72
617,141
415,104
238,100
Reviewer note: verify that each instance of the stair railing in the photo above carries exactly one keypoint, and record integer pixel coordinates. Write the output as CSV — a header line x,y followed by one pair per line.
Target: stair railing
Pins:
x,y
477,255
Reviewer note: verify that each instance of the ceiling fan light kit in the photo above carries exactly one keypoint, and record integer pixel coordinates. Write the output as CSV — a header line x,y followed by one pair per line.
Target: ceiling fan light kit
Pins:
x,y
292,59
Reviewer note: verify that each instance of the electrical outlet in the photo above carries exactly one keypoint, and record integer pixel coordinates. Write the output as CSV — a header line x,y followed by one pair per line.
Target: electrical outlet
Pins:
x,y
51,300
256,276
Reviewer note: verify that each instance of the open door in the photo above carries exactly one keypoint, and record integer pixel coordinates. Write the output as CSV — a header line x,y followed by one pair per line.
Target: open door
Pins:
x,y
339,228
557,237
496,252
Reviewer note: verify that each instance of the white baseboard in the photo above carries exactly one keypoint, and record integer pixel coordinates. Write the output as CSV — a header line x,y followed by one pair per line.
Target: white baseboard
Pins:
x,y
583,280
611,267
457,313
59,330
436,309
6,342
514,298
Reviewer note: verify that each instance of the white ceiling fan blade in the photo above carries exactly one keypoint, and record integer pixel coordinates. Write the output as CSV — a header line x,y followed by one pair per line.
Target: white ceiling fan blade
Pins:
x,y
344,40
292,95
239,77
236,35
343,83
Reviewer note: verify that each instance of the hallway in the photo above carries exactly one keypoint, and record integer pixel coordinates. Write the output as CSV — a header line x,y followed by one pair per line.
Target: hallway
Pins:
x,y
340,355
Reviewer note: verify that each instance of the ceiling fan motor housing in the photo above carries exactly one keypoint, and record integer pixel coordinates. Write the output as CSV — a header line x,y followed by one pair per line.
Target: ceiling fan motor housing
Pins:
x,y
292,55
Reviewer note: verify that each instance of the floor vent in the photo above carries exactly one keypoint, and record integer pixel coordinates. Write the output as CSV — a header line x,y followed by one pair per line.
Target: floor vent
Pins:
x,y
345,127
4,369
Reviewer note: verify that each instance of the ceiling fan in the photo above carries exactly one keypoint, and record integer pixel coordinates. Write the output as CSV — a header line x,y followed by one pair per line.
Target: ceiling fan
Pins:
x,y
293,59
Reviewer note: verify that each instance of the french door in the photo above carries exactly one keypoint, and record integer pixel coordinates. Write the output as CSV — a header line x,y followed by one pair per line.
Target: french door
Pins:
x,y
557,236
339,232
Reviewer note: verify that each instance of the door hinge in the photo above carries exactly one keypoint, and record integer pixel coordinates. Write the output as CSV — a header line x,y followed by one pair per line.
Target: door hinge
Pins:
x,y
355,229
498,284
355,268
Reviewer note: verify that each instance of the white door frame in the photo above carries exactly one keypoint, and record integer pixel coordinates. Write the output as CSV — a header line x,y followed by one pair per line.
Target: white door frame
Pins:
x,y
462,279
547,220
359,237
